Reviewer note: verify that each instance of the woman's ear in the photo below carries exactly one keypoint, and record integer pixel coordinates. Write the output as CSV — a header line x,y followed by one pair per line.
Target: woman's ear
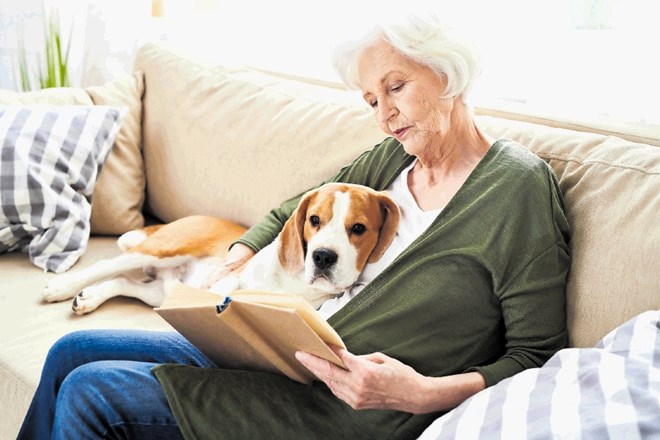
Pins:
x,y
388,230
291,248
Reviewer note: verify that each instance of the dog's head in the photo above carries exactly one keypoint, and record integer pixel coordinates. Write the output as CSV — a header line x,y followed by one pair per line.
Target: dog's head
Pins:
x,y
334,232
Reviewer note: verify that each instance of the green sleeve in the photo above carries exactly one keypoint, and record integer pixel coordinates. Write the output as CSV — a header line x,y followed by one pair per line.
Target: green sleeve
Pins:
x,y
533,310
533,300
375,168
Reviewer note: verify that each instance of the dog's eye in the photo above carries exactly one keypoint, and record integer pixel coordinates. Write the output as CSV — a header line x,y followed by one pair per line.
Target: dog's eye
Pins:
x,y
315,220
358,229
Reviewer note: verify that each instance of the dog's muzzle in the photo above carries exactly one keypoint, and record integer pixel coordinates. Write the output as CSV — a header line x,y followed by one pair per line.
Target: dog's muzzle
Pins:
x,y
324,259
324,271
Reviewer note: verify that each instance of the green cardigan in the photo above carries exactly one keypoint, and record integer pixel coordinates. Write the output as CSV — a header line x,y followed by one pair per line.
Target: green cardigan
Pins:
x,y
483,289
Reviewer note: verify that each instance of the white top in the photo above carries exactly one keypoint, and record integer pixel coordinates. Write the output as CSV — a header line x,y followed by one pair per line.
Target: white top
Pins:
x,y
413,222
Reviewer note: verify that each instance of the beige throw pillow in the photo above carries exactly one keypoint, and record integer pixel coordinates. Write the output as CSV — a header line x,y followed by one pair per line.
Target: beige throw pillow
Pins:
x,y
58,96
119,194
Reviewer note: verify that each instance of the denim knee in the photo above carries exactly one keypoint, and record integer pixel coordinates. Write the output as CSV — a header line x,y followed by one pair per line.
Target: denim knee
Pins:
x,y
77,388
63,354
77,412
113,399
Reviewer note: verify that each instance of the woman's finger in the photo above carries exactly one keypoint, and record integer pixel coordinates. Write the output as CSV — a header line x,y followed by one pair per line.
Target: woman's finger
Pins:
x,y
377,358
321,368
352,362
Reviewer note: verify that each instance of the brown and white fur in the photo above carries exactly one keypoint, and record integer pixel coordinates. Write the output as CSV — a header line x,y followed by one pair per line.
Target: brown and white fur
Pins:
x,y
324,246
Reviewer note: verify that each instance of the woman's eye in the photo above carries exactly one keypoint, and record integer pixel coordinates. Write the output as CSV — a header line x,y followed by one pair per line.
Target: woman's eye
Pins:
x,y
315,220
373,104
396,87
358,229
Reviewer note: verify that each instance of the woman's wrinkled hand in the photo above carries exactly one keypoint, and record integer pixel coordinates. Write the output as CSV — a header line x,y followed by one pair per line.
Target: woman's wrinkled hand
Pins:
x,y
238,255
372,381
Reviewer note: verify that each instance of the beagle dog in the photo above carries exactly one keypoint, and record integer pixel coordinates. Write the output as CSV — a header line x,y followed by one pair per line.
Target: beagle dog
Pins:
x,y
323,247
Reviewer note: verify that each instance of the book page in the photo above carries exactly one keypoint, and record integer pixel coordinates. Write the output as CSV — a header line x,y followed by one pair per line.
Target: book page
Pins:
x,y
178,294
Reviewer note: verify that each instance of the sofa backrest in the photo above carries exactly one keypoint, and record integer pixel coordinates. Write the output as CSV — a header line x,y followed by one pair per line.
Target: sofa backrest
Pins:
x,y
235,143
238,143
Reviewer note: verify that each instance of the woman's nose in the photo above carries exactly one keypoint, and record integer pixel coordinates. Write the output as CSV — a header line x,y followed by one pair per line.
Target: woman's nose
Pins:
x,y
386,111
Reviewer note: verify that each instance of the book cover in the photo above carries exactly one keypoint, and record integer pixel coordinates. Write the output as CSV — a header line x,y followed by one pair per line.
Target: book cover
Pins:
x,y
251,329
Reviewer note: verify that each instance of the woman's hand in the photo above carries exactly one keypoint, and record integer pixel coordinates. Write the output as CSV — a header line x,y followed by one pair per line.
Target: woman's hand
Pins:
x,y
377,381
373,381
238,255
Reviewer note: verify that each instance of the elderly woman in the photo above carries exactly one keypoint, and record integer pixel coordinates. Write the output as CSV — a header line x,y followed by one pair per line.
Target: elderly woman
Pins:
x,y
471,291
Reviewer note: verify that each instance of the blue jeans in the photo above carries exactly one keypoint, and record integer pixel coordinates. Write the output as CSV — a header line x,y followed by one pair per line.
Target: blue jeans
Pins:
x,y
98,384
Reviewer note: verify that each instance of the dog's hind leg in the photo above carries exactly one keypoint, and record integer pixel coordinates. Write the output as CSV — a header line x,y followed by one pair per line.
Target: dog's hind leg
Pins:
x,y
92,297
69,284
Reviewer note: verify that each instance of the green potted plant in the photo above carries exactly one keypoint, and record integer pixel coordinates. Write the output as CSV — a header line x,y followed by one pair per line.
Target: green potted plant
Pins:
x,y
53,69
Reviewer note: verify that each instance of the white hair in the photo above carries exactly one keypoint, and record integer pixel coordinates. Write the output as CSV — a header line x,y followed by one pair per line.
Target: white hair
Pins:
x,y
423,40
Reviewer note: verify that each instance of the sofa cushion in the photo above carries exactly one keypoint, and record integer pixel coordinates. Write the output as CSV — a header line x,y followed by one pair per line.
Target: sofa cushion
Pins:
x,y
51,156
610,189
54,96
119,193
236,144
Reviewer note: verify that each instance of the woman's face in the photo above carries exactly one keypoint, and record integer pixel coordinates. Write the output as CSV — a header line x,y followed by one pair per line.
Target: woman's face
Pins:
x,y
406,98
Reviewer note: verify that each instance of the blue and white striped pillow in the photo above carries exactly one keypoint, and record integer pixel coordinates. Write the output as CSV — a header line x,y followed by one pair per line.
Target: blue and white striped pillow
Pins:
x,y
609,391
51,157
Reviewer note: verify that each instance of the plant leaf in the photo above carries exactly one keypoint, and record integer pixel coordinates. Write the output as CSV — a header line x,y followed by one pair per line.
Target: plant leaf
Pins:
x,y
52,70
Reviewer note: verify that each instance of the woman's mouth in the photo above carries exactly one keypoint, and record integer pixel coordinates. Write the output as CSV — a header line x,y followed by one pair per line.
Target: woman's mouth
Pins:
x,y
401,132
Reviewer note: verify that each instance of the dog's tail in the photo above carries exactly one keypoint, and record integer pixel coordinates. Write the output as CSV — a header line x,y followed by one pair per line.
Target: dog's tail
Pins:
x,y
130,239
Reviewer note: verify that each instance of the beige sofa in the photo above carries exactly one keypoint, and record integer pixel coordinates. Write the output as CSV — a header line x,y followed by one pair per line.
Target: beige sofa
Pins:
x,y
235,142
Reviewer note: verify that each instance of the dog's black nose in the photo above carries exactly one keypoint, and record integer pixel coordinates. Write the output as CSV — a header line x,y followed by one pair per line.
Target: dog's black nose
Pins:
x,y
324,258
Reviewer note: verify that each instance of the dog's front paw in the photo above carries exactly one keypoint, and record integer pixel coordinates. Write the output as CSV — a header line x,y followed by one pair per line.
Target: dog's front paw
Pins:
x,y
85,302
59,288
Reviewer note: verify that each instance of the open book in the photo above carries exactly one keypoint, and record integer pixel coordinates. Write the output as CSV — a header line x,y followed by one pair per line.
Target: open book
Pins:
x,y
251,329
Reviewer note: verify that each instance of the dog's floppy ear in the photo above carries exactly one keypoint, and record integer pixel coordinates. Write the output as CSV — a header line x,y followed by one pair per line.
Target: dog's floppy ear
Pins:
x,y
291,249
388,230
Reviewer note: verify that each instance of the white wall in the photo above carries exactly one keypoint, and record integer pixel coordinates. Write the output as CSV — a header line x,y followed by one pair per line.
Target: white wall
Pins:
x,y
15,16
104,36
114,30
572,58
567,57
